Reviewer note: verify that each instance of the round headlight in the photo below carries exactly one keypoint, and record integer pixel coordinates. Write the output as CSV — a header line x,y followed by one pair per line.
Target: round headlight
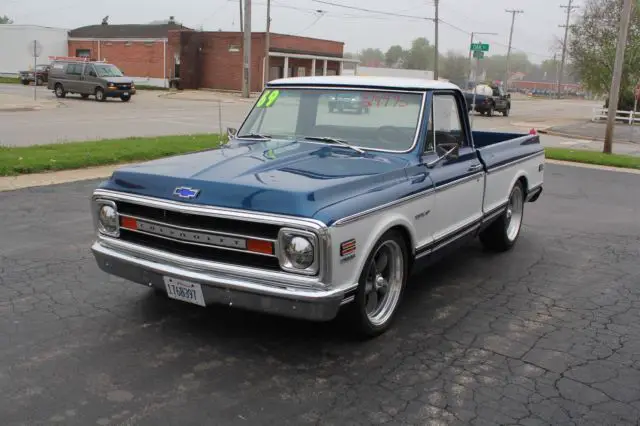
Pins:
x,y
299,251
108,219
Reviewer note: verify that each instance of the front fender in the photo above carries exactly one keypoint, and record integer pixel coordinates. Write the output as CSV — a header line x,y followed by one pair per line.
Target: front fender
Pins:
x,y
366,232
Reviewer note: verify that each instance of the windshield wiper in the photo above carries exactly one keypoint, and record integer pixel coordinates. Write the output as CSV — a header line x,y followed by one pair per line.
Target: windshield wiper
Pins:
x,y
333,140
253,136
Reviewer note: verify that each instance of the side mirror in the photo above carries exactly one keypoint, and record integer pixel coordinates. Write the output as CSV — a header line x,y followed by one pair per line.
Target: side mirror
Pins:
x,y
451,152
231,132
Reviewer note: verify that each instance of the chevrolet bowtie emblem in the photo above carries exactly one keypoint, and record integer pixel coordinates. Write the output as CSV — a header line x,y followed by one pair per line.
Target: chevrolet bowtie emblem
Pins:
x,y
185,192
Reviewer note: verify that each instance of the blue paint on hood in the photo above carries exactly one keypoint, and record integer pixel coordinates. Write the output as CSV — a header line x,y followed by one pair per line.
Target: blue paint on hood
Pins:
x,y
282,177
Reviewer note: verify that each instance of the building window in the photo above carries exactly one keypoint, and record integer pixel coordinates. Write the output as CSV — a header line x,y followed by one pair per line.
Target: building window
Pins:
x,y
83,53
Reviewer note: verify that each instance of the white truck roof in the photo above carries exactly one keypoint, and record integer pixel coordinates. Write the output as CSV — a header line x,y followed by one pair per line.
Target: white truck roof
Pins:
x,y
369,81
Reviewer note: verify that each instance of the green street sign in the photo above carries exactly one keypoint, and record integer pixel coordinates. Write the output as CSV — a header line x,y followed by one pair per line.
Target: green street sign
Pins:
x,y
478,55
479,47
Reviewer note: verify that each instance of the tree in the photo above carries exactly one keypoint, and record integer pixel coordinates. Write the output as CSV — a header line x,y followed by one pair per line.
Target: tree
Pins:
x,y
421,55
395,56
455,68
372,57
4,19
592,48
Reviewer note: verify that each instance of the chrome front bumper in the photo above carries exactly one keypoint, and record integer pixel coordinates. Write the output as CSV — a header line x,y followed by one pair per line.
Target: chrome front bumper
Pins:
x,y
246,288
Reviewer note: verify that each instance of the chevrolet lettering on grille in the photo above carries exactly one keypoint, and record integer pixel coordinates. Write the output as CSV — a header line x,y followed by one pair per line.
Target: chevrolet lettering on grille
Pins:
x,y
191,236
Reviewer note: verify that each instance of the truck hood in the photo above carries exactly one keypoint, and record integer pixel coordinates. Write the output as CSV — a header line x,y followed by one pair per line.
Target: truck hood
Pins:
x,y
281,177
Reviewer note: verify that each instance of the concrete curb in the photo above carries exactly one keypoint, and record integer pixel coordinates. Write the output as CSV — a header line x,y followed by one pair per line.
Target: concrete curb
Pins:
x,y
593,166
13,183
586,138
176,96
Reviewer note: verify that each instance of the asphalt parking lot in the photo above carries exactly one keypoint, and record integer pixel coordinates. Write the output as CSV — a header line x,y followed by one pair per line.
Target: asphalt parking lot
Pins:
x,y
153,113
546,334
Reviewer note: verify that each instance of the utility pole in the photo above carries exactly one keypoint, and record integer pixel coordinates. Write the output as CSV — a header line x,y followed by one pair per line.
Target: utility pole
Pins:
x,y
246,80
241,26
513,20
569,8
266,44
437,54
614,92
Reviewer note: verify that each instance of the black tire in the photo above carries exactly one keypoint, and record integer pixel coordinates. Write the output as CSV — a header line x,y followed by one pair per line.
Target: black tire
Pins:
x,y
499,236
506,111
99,94
59,91
126,98
84,95
391,244
491,110
25,82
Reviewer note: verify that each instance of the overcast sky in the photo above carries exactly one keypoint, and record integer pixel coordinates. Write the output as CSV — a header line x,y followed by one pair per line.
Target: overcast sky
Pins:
x,y
534,30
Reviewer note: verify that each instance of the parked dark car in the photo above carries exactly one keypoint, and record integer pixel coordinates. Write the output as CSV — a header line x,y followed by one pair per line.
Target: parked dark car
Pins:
x,y
498,101
347,101
40,75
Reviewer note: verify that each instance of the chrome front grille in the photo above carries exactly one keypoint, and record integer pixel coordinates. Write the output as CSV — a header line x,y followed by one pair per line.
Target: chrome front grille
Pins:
x,y
196,236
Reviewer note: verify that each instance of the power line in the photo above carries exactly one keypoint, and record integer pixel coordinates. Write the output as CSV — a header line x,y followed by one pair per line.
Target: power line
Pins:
x,y
362,9
493,41
513,13
569,8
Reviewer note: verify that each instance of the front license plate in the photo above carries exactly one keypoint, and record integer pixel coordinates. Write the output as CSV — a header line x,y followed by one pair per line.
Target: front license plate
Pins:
x,y
126,93
184,291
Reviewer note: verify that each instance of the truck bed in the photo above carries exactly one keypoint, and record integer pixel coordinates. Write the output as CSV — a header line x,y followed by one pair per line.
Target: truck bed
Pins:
x,y
498,148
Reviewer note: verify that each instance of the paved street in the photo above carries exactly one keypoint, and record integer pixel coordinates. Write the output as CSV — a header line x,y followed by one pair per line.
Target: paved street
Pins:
x,y
546,334
150,113
146,115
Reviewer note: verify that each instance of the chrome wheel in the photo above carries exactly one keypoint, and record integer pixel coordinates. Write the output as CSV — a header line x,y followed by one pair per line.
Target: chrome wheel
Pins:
x,y
514,213
384,280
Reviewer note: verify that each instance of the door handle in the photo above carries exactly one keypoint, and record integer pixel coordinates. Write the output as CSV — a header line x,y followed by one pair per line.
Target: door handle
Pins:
x,y
474,167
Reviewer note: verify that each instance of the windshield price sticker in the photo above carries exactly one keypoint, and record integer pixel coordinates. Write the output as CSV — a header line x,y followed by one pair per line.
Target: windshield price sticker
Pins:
x,y
268,98
384,101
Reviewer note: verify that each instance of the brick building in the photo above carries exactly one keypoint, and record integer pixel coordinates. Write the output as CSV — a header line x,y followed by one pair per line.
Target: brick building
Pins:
x,y
153,54
140,51
215,59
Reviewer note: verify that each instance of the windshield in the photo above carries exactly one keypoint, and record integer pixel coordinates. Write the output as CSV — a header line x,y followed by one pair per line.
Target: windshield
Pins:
x,y
108,71
383,120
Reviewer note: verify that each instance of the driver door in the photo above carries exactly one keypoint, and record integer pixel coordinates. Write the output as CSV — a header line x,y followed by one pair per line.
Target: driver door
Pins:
x,y
459,180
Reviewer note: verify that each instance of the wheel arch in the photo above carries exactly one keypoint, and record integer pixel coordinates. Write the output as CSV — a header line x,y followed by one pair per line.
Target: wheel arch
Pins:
x,y
393,222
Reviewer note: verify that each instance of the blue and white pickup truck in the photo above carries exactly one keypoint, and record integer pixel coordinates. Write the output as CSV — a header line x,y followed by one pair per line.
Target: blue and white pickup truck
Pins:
x,y
304,212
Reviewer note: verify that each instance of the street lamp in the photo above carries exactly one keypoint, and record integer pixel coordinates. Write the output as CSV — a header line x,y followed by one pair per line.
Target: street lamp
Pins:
x,y
473,33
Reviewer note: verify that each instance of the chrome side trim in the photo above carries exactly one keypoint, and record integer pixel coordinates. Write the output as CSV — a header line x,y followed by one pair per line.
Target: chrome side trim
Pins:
x,y
361,215
347,299
448,239
455,183
519,160
273,278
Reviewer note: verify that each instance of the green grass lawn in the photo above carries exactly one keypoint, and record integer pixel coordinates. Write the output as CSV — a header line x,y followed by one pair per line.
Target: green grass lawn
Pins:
x,y
593,157
9,80
76,155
